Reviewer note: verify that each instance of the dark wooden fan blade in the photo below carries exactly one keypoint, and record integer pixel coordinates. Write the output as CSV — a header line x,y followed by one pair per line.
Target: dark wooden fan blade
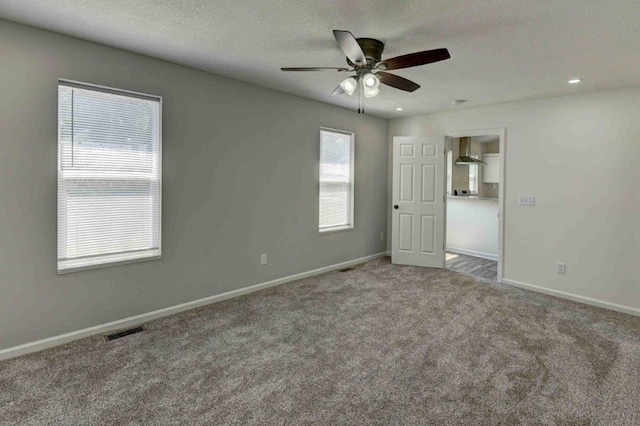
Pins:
x,y
397,82
339,91
349,46
415,59
314,69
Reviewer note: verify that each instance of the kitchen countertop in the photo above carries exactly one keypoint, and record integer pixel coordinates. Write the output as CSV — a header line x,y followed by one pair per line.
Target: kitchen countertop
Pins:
x,y
471,197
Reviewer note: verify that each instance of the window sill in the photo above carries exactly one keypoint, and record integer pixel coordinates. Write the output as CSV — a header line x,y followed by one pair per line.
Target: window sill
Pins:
x,y
77,266
336,229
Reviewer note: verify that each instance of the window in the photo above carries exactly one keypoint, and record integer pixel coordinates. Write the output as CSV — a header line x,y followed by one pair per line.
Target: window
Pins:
x,y
449,172
109,177
473,176
336,180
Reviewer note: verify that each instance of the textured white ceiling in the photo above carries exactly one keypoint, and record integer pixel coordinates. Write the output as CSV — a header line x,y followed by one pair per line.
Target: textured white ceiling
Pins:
x,y
501,50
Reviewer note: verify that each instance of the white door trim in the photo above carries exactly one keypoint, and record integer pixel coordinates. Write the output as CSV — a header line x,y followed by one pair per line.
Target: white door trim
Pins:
x,y
501,132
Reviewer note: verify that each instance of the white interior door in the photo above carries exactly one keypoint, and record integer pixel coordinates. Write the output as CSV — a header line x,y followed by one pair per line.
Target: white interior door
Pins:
x,y
418,214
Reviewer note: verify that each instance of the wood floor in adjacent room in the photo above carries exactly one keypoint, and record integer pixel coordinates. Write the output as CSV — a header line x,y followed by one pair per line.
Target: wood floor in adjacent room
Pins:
x,y
379,344
471,265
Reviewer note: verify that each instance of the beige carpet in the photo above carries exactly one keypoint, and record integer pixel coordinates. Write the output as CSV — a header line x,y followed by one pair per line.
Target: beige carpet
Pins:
x,y
380,344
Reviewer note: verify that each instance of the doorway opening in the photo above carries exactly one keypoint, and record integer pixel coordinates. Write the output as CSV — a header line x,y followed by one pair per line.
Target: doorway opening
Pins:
x,y
475,203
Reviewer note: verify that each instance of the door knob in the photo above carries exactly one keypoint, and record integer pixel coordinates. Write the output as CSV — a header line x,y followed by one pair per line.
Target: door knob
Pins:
x,y
395,207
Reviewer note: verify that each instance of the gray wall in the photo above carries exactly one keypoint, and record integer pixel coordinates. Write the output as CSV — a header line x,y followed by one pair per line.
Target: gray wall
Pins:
x,y
240,179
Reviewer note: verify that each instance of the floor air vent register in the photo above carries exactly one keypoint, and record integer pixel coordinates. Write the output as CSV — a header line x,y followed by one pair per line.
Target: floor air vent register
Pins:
x,y
124,333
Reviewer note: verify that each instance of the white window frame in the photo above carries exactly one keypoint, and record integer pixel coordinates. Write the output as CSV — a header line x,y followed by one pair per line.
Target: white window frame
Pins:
x,y
116,258
351,224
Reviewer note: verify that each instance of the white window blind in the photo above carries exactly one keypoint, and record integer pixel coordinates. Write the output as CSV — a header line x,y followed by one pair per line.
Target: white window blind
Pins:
x,y
336,180
109,177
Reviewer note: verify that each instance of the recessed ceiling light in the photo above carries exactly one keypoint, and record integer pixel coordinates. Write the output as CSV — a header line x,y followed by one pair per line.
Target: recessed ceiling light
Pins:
x,y
399,109
575,81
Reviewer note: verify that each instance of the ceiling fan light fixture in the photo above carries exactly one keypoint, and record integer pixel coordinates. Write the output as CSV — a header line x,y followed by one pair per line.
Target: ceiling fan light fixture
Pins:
x,y
371,81
364,57
371,84
349,85
371,93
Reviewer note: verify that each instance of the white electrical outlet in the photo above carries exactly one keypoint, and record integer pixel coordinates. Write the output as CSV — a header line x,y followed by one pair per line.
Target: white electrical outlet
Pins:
x,y
263,259
382,236
527,200
562,268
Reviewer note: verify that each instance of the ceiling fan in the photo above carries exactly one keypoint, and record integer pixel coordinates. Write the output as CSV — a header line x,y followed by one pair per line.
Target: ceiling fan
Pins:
x,y
364,56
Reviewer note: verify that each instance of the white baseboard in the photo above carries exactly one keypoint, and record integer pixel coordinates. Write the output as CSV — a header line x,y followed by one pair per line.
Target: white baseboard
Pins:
x,y
580,299
489,256
139,319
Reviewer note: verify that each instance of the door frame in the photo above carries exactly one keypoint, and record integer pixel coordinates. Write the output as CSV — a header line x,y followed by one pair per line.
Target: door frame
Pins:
x,y
501,132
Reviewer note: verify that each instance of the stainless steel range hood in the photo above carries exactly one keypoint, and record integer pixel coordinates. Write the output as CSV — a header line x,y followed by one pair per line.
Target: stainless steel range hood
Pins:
x,y
465,154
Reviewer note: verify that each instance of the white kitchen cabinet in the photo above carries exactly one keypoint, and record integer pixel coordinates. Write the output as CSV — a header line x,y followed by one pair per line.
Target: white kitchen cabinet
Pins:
x,y
491,170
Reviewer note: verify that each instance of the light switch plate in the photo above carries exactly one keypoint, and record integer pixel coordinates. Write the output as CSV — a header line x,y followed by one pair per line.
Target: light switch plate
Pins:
x,y
527,200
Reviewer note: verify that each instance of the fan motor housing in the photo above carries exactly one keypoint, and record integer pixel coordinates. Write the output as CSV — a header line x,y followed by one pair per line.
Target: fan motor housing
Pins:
x,y
372,49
